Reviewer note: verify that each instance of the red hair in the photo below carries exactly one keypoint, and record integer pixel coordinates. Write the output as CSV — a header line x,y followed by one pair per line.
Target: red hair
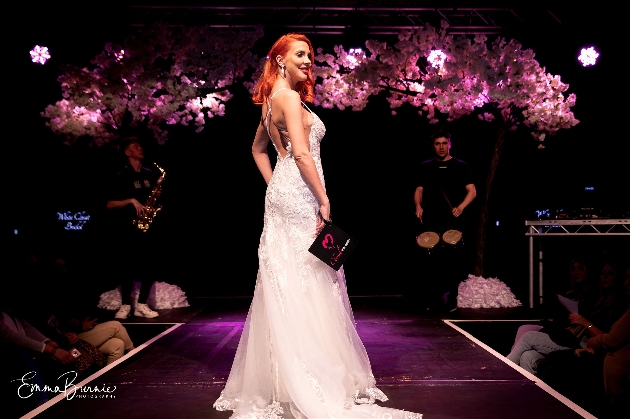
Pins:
x,y
262,89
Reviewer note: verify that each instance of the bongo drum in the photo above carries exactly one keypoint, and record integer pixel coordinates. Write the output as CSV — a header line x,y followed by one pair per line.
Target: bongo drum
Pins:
x,y
452,237
428,240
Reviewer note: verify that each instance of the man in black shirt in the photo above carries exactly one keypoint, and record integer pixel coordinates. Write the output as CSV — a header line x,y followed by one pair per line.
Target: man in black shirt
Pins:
x,y
445,189
130,190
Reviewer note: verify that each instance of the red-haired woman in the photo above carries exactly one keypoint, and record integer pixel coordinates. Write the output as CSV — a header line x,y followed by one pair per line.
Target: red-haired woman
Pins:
x,y
299,355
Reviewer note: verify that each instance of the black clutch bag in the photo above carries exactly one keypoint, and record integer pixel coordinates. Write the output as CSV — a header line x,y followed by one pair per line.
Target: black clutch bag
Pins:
x,y
333,245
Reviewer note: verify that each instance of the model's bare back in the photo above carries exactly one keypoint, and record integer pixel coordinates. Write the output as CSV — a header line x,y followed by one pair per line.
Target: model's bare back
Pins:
x,y
278,121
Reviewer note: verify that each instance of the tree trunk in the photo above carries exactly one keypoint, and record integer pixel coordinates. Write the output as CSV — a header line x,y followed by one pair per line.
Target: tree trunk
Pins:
x,y
483,219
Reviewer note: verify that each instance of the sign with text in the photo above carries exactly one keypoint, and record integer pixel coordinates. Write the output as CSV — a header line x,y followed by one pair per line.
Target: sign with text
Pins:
x,y
73,220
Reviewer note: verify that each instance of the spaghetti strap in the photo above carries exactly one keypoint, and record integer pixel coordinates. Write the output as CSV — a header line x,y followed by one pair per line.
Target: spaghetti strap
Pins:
x,y
282,88
268,118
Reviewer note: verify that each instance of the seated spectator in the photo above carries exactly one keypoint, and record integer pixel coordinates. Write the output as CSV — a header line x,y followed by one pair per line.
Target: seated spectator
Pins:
x,y
72,319
111,338
19,344
533,346
616,364
580,290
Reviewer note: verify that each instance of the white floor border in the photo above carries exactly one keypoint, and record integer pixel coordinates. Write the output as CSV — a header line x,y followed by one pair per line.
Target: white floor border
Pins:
x,y
577,409
102,371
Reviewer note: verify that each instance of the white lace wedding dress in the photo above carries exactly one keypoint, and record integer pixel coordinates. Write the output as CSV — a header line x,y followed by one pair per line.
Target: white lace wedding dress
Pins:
x,y
299,355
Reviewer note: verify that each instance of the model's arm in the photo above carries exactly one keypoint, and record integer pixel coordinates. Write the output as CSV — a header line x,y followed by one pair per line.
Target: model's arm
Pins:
x,y
291,108
259,151
471,193
417,198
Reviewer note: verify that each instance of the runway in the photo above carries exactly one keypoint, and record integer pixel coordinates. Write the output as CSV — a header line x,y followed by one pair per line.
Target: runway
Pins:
x,y
444,367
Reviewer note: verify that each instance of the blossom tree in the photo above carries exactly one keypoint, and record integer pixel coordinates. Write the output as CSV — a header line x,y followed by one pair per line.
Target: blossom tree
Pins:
x,y
166,76
499,81
162,76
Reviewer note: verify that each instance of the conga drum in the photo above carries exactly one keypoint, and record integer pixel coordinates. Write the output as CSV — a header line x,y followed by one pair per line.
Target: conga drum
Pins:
x,y
452,237
428,240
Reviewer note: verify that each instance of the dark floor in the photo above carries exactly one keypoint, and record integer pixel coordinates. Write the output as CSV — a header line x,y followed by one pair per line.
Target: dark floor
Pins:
x,y
421,362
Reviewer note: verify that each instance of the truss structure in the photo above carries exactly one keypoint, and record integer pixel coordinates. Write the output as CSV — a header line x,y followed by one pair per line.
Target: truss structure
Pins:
x,y
338,20
583,227
551,228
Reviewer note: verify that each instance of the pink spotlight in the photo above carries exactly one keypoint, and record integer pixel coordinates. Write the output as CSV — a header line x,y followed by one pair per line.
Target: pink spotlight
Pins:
x,y
40,55
436,58
588,56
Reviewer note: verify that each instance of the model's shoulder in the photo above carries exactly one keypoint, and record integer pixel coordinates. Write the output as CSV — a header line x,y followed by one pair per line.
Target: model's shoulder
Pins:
x,y
428,162
286,94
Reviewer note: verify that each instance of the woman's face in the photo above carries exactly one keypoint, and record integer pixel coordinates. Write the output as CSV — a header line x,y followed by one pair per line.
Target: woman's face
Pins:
x,y
297,61
607,277
578,272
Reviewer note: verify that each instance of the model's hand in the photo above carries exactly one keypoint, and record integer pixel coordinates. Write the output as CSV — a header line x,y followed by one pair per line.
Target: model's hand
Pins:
x,y
324,211
138,206
457,211
419,212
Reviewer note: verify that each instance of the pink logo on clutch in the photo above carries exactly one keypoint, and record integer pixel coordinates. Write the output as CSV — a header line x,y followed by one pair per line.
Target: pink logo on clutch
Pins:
x,y
328,241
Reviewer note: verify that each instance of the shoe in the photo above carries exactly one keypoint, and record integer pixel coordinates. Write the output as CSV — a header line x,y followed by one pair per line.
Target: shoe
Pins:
x,y
143,310
123,312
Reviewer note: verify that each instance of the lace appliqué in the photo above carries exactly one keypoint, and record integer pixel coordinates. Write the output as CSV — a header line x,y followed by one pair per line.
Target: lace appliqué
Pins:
x,y
272,411
300,368
372,394
223,404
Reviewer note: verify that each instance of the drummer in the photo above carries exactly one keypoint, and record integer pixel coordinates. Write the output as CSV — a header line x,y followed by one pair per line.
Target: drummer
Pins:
x,y
445,189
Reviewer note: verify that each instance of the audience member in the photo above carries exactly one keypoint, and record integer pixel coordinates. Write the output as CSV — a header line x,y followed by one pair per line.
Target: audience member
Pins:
x,y
580,290
533,346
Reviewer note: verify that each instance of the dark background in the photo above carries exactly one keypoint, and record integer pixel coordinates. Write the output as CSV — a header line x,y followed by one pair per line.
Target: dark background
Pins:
x,y
214,196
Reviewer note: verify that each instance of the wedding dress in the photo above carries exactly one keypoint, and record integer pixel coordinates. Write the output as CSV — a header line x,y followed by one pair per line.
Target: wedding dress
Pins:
x,y
299,355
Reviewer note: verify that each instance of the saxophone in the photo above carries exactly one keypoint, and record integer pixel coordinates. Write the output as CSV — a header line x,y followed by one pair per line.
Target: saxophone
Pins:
x,y
151,207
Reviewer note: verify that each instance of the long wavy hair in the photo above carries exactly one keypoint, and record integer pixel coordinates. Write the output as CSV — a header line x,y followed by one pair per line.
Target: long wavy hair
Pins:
x,y
262,89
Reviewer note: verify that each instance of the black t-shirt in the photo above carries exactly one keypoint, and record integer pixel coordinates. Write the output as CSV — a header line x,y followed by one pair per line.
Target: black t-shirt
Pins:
x,y
130,184
442,182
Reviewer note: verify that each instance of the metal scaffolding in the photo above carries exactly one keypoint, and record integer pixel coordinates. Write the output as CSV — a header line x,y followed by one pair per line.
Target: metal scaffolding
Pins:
x,y
339,20
563,228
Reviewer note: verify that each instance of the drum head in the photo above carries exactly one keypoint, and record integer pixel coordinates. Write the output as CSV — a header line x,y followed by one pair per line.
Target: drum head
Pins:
x,y
428,239
452,236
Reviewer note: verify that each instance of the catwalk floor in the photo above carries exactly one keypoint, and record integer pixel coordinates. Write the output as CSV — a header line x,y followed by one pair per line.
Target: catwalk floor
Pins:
x,y
442,366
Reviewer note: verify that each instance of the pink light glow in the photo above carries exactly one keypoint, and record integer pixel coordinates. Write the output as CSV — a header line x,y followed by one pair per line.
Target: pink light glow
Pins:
x,y
40,55
436,58
588,56
354,56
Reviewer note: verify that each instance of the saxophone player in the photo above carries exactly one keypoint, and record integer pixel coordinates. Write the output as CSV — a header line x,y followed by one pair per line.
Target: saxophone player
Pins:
x,y
133,249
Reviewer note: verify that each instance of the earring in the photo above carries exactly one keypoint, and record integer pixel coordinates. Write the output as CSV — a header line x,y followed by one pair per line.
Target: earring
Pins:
x,y
283,68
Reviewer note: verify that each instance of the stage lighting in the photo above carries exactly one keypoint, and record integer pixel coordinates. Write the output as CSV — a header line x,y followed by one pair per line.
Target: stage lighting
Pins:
x,y
40,55
436,58
588,56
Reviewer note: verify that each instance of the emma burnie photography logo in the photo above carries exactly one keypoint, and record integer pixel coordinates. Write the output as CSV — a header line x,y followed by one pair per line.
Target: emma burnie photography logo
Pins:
x,y
28,385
